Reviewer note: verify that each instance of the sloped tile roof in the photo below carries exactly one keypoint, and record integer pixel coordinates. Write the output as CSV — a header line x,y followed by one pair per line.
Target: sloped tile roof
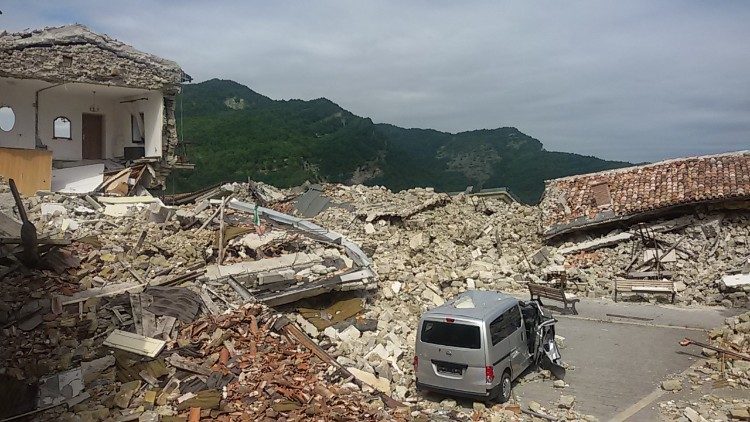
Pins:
x,y
571,202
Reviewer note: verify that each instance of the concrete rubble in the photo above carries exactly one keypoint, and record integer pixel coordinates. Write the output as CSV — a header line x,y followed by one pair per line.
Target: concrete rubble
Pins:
x,y
38,52
734,336
153,283
399,254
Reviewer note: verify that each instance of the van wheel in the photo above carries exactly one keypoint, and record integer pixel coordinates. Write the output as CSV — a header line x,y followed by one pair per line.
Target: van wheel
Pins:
x,y
505,387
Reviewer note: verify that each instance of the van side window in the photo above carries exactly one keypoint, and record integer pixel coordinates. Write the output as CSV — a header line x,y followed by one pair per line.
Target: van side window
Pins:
x,y
516,312
505,325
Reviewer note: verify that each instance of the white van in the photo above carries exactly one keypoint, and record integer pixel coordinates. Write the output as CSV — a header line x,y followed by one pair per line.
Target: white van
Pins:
x,y
476,344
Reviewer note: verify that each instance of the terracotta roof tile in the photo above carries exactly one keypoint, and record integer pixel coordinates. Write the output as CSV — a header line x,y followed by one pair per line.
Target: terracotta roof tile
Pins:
x,y
570,202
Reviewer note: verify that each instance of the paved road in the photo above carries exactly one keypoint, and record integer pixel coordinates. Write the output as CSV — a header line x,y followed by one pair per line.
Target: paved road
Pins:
x,y
619,360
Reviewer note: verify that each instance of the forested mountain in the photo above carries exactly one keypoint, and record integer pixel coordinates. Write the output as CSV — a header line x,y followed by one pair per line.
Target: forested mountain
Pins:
x,y
236,133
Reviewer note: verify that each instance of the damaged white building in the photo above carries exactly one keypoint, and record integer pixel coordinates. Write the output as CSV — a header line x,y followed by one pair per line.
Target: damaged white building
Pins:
x,y
72,96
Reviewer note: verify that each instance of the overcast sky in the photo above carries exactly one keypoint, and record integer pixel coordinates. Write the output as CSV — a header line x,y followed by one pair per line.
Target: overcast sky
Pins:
x,y
628,80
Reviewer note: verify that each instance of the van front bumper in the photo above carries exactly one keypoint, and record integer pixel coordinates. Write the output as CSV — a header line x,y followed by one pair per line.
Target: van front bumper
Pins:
x,y
451,392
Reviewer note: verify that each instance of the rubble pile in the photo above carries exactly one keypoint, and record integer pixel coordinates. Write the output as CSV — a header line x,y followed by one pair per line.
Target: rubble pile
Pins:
x,y
734,336
697,252
715,371
232,367
422,258
452,244
129,282
708,408
121,319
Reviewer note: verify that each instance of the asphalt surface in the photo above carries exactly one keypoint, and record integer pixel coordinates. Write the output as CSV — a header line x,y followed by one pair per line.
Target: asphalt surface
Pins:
x,y
620,353
621,359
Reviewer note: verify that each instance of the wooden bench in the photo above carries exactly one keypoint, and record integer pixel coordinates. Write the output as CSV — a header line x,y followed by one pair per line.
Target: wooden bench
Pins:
x,y
645,286
538,291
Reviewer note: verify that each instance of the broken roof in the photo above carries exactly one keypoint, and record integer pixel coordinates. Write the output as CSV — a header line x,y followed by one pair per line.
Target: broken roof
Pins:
x,y
596,199
74,53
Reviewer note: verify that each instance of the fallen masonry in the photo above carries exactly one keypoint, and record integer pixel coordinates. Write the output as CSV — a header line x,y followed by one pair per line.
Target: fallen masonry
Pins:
x,y
353,279
715,370
145,327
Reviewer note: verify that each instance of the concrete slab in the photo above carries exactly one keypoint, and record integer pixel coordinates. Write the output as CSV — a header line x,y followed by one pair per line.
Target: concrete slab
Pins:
x,y
80,179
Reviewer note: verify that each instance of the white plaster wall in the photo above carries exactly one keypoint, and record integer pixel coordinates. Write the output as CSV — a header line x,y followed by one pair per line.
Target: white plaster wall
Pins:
x,y
71,101
153,120
60,101
15,94
153,111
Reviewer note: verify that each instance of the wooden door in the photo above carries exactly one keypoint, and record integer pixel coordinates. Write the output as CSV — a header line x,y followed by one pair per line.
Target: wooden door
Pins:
x,y
91,129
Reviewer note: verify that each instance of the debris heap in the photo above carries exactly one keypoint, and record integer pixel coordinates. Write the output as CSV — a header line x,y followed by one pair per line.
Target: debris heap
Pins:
x,y
121,319
716,371
151,306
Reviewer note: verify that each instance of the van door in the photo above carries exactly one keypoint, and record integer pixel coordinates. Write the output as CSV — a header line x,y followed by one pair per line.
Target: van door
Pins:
x,y
508,346
451,355
520,356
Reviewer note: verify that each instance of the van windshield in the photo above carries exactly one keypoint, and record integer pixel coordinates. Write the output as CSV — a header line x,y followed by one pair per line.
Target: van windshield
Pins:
x,y
451,334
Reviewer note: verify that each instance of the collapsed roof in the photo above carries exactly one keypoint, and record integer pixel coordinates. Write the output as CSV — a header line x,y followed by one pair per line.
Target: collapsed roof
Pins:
x,y
74,53
597,199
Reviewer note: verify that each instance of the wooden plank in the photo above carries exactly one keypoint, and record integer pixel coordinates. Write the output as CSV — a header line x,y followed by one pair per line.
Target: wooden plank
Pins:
x,y
9,226
17,241
144,199
30,168
120,177
221,230
59,301
302,338
135,304
164,326
208,221
135,343
651,289
148,323
209,303
187,365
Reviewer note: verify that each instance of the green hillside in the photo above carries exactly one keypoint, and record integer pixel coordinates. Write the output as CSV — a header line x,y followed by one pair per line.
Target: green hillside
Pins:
x,y
236,133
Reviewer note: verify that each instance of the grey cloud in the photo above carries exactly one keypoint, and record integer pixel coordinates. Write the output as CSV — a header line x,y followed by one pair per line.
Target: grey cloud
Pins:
x,y
636,80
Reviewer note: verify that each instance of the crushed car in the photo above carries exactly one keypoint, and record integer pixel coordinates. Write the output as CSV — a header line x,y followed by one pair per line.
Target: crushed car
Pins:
x,y
476,344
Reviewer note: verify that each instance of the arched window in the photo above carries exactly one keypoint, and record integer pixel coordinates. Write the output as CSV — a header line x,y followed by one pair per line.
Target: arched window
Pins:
x,y
7,118
61,128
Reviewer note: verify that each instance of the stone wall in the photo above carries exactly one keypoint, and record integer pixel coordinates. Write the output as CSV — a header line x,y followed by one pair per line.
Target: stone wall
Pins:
x,y
75,54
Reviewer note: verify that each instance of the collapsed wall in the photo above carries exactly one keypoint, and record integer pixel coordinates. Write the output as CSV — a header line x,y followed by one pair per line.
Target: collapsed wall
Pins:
x,y
421,247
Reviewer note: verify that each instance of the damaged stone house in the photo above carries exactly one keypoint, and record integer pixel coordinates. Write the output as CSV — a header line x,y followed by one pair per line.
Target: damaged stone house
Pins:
x,y
625,196
72,96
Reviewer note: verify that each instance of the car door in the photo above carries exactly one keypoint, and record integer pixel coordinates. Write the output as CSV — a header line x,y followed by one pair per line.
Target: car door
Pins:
x,y
501,342
520,357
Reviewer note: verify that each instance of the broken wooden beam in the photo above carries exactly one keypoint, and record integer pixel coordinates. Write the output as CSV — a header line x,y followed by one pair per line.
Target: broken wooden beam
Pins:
x,y
59,301
240,289
292,331
187,365
221,230
18,241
